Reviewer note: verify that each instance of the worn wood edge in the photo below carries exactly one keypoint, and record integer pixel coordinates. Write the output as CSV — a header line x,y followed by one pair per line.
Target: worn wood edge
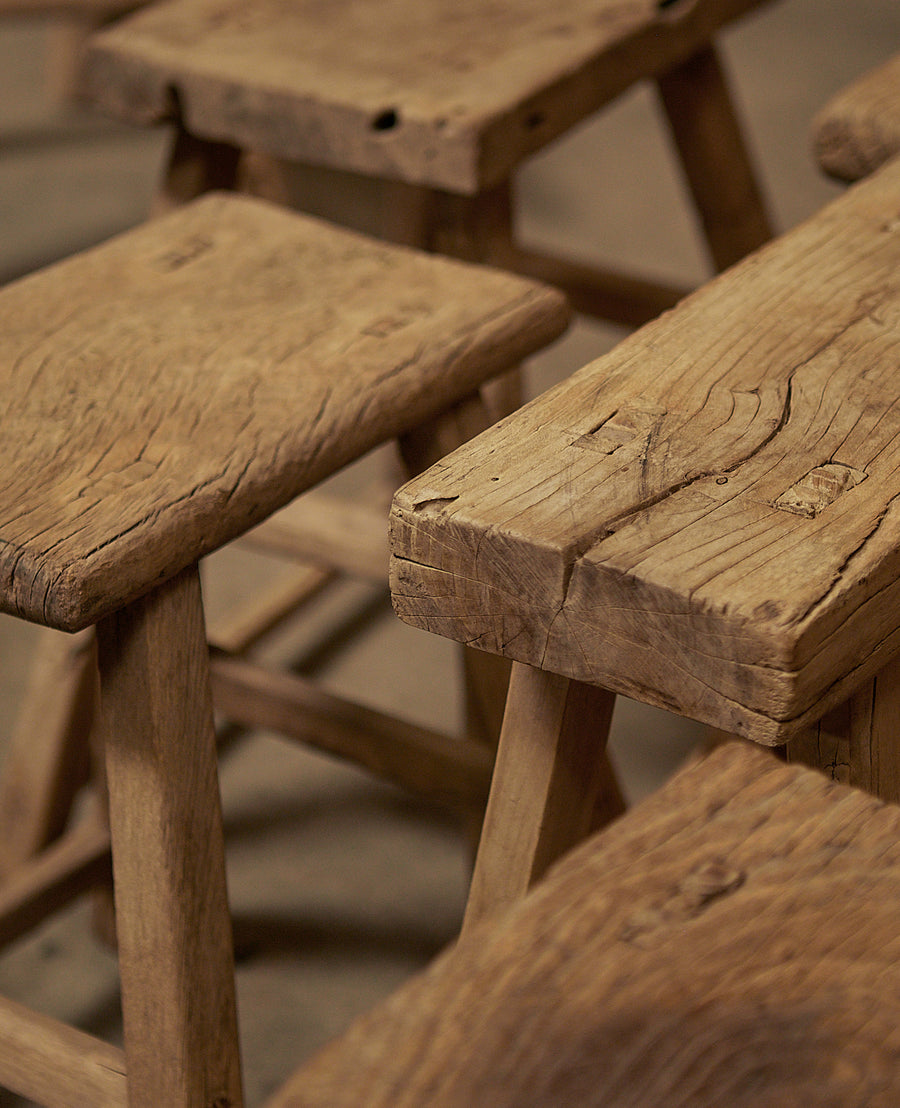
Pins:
x,y
704,804
72,596
858,130
56,1065
134,80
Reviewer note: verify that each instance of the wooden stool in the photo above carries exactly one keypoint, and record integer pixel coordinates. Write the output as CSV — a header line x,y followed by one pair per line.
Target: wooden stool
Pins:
x,y
438,105
731,941
703,520
859,129
162,394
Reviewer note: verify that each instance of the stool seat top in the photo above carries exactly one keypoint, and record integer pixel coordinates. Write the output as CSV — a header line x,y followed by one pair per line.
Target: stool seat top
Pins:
x,y
446,93
732,940
859,129
164,392
706,518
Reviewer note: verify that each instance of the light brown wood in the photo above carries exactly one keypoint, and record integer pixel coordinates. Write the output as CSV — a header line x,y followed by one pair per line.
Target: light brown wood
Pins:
x,y
173,925
46,760
252,352
549,773
56,1065
722,181
437,766
704,518
733,940
859,129
378,89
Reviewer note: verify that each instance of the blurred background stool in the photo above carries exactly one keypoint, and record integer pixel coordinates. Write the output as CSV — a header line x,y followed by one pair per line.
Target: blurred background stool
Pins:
x,y
424,112
692,954
859,128
703,520
163,393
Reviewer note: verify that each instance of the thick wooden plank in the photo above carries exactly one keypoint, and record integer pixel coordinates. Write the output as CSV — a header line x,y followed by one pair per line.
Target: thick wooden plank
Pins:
x,y
859,129
173,926
56,1065
733,940
251,352
705,518
448,95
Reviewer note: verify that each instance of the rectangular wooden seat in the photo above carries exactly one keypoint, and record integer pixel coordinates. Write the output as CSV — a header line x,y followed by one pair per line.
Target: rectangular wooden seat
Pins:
x,y
858,130
168,390
731,941
704,519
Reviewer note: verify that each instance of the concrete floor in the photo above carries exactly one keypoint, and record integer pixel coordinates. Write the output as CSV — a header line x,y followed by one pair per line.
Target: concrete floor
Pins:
x,y
342,886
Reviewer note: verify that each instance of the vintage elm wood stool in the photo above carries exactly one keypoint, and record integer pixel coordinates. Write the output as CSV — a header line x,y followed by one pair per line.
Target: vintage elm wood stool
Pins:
x,y
162,394
733,940
434,105
858,130
705,519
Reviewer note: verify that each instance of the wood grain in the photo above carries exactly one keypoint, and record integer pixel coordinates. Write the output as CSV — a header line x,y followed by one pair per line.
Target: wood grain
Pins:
x,y
859,129
732,940
705,519
163,393
448,95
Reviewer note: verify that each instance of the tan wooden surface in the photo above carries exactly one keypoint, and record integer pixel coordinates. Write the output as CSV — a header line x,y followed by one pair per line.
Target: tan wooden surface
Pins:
x,y
448,95
859,129
705,518
733,940
173,926
164,392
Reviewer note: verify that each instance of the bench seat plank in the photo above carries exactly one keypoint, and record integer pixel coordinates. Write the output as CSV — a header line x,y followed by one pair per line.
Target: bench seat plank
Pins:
x,y
409,89
732,940
706,518
145,425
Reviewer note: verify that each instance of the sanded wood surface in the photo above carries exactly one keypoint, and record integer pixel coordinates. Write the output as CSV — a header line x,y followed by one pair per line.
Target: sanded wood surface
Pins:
x,y
859,129
733,940
165,392
705,519
448,94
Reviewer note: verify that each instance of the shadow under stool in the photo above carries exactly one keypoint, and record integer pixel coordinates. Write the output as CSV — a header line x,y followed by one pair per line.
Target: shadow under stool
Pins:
x,y
163,393
858,130
424,112
705,520
731,940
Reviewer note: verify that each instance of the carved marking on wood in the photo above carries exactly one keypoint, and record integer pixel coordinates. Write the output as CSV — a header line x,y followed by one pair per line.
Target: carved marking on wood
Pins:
x,y
820,487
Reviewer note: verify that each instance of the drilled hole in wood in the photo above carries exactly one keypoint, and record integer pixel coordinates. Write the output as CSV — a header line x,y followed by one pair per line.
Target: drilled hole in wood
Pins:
x,y
386,120
534,120
662,4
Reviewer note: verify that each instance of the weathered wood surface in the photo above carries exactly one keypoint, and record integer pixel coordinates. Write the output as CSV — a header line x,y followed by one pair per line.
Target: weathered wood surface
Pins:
x,y
731,941
165,392
705,519
451,95
859,129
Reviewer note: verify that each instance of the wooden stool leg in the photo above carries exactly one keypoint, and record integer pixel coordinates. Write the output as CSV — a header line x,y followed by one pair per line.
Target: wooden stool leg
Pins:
x,y
195,166
174,930
715,160
860,744
47,760
549,774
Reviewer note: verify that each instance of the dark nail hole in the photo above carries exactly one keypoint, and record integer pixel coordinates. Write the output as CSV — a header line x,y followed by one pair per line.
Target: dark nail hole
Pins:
x,y
665,3
534,120
386,120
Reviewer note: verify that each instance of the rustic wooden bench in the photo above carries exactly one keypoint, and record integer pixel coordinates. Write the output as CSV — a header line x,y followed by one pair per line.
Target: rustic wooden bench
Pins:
x,y
161,394
438,104
705,520
730,941
859,129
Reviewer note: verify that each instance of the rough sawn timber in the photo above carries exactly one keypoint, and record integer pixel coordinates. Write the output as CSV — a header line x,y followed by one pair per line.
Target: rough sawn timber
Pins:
x,y
731,941
145,425
708,518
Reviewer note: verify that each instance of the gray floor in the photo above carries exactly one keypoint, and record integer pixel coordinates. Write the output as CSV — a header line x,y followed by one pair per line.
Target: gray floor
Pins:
x,y
342,886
